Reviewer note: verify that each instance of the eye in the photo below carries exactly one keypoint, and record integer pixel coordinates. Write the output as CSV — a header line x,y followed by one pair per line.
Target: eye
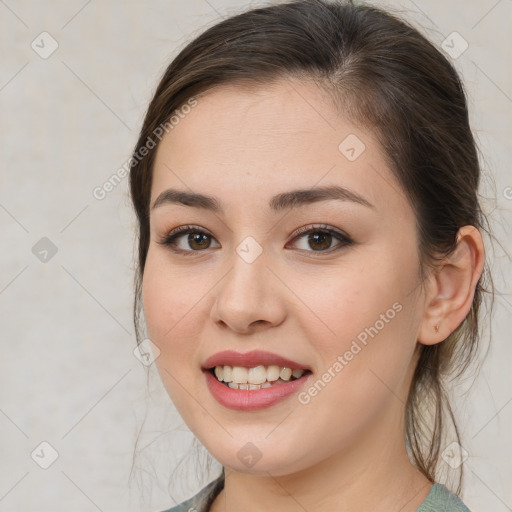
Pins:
x,y
321,239
192,239
187,239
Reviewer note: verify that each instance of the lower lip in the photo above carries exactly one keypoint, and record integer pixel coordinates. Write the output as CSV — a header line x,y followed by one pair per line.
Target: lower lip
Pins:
x,y
251,400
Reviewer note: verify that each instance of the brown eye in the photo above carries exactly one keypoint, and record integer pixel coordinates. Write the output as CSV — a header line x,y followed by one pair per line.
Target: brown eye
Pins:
x,y
320,239
188,239
198,241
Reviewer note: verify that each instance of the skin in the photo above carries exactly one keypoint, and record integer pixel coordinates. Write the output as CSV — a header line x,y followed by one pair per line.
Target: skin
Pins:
x,y
345,449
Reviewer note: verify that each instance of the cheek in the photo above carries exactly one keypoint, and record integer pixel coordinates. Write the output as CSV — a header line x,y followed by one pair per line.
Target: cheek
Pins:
x,y
351,303
172,323
371,325
366,362
168,297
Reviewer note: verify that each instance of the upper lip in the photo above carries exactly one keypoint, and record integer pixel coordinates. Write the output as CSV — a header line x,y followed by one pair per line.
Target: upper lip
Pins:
x,y
251,359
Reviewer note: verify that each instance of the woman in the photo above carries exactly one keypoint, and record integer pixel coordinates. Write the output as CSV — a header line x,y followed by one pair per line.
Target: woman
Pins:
x,y
310,256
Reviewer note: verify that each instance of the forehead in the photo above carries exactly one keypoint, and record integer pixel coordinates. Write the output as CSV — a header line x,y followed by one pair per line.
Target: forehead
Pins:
x,y
254,141
239,118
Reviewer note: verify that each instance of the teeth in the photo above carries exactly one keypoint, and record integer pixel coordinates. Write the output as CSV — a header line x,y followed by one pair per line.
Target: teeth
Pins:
x,y
273,373
286,373
239,377
257,375
227,373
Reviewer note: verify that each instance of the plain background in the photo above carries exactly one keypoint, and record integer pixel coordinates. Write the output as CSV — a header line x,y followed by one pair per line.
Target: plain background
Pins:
x,y
68,375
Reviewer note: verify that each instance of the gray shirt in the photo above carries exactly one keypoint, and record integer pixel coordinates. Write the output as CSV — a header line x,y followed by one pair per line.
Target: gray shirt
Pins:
x,y
439,499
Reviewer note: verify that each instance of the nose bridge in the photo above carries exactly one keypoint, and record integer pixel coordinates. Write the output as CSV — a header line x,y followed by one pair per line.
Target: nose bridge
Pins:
x,y
245,284
247,294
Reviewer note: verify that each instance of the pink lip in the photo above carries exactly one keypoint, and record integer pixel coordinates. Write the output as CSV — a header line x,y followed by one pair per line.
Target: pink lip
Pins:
x,y
250,360
247,400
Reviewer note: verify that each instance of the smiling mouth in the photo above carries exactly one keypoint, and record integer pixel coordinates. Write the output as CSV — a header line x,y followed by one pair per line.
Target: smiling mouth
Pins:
x,y
254,378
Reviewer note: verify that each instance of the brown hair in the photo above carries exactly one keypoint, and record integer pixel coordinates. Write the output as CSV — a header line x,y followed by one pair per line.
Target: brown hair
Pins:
x,y
384,75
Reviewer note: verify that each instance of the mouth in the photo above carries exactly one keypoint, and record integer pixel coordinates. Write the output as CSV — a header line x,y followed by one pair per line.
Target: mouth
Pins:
x,y
253,380
256,377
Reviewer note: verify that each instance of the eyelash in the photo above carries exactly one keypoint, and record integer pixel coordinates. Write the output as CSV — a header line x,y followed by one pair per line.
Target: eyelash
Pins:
x,y
169,240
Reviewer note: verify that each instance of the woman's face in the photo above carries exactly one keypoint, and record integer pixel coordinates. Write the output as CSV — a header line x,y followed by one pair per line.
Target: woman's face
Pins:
x,y
329,281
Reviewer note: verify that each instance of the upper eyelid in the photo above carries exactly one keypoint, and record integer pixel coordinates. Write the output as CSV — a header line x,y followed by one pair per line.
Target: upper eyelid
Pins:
x,y
185,229
298,233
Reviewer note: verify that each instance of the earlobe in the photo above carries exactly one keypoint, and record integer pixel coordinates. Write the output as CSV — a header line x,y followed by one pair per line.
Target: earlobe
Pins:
x,y
452,287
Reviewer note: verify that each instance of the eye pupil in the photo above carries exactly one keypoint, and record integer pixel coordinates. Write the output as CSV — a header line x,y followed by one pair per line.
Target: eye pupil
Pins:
x,y
324,239
198,238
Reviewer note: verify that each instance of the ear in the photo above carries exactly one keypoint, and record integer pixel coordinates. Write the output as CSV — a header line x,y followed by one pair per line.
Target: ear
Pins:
x,y
451,287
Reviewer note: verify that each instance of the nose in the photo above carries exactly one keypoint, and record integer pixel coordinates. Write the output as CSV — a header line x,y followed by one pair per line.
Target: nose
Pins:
x,y
249,298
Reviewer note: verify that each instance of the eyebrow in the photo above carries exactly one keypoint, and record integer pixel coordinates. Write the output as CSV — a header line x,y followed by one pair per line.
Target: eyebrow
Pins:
x,y
283,201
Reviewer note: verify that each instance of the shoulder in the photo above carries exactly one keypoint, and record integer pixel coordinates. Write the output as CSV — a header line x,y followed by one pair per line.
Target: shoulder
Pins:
x,y
202,500
440,499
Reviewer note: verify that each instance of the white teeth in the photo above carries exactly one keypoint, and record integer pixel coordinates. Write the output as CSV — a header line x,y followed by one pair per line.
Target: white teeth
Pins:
x,y
228,374
257,375
286,373
240,374
240,377
245,385
273,373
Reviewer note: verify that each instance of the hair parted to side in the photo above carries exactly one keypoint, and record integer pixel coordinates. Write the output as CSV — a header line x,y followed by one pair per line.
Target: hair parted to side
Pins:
x,y
382,74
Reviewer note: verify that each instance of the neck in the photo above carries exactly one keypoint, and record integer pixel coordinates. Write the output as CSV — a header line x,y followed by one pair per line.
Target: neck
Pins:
x,y
373,474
